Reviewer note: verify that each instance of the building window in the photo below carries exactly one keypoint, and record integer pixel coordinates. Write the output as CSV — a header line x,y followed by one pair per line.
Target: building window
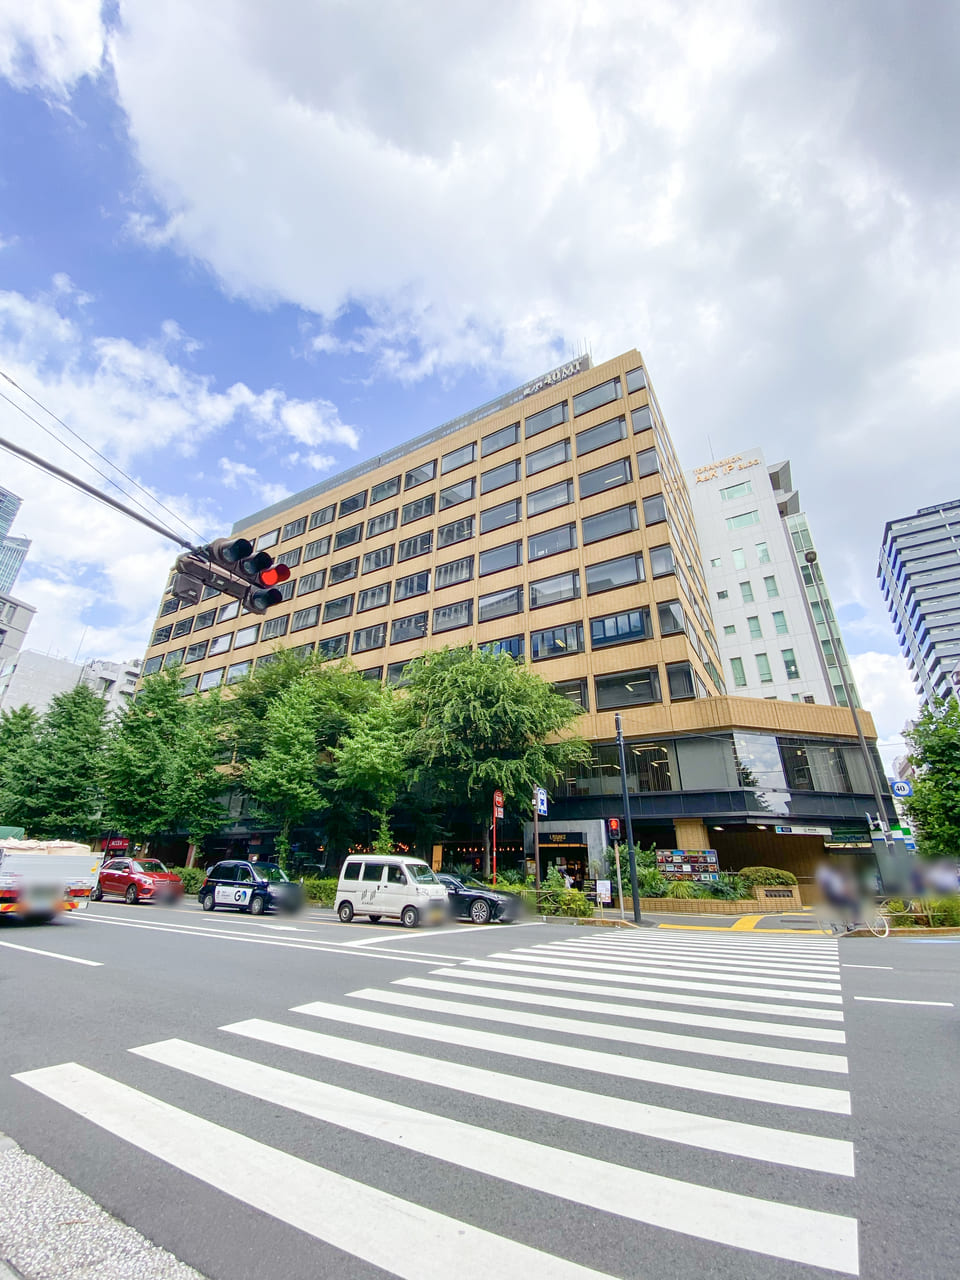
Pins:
x,y
716,563
312,581
730,630
496,517
636,380
739,558
183,628
418,509
290,558
347,537
556,642
555,495
552,456
722,595
421,545
372,673
450,616
174,657
247,635
171,606
238,671
319,547
462,491
594,397
447,575
356,502
498,477
771,585
746,593
742,490
382,558
308,617
302,651
680,681
395,671
461,457
662,562
153,664
754,626
738,673
413,627
647,463
763,554
332,647
501,439
188,685
609,524
368,638
211,679
209,593
574,691
496,559
603,434
654,509
790,664
545,419
205,619
268,539
551,542
609,574
221,644
295,529
420,475
641,419
763,668
563,586
459,531
628,688
344,571
621,628
324,516
382,523
418,584
286,588
273,628
342,607
671,619
779,622
228,611
373,598
742,521
610,476
162,635
385,489
500,604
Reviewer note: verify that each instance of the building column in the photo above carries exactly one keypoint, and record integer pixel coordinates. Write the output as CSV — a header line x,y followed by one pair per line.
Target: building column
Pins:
x,y
690,833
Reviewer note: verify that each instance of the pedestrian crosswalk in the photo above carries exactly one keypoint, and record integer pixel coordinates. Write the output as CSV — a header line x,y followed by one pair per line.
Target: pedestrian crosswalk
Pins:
x,y
639,1104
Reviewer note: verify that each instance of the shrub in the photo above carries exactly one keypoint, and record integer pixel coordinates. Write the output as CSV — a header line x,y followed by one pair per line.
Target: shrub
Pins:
x,y
943,912
192,877
573,903
321,890
462,869
751,876
509,878
685,889
898,915
729,887
651,883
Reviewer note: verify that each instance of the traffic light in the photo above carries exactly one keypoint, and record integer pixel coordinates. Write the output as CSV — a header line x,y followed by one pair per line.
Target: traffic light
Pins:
x,y
230,565
614,831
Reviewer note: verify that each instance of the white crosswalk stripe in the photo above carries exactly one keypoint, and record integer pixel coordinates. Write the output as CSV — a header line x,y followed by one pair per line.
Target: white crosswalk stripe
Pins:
x,y
708,1045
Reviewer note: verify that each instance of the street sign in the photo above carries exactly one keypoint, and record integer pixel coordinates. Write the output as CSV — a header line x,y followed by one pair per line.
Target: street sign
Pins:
x,y
804,831
540,800
498,798
901,789
603,891
498,811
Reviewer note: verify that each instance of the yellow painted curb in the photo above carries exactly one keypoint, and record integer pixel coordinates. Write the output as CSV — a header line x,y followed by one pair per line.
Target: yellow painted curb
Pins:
x,y
714,928
746,922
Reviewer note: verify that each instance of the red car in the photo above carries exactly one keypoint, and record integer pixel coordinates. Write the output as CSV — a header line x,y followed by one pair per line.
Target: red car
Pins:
x,y
137,879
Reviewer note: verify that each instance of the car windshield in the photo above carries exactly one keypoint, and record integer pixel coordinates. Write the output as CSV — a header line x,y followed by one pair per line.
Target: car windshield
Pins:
x,y
421,873
471,882
269,871
151,867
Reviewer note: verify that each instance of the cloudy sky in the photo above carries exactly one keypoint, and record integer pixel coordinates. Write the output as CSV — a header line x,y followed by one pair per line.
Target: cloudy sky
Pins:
x,y
238,254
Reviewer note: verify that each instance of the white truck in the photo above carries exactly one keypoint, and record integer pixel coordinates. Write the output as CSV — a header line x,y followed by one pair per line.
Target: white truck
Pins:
x,y
39,879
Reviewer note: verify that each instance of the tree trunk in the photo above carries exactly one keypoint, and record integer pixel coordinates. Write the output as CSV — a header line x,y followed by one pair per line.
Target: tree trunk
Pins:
x,y
191,854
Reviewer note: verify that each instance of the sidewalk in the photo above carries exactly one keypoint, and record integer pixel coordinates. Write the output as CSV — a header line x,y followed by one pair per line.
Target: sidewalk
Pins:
x,y
804,921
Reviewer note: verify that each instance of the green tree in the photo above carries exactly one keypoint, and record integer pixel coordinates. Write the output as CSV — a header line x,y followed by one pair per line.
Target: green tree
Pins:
x,y
71,744
19,766
934,806
245,711
372,761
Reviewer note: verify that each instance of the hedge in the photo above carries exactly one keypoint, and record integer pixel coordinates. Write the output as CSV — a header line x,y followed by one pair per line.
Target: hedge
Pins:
x,y
752,876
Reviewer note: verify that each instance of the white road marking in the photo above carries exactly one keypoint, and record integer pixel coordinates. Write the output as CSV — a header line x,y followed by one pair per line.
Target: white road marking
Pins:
x,y
53,955
749,969
709,1133
799,1059
642,995
398,1235
755,1088
692,970
676,984
866,966
748,1026
939,1004
744,952
721,1217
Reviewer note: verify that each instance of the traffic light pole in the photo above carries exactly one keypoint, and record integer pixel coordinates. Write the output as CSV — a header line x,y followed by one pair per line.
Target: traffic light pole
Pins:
x,y
631,851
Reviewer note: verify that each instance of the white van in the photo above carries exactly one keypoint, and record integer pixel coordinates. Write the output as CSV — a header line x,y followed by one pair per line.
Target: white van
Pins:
x,y
398,888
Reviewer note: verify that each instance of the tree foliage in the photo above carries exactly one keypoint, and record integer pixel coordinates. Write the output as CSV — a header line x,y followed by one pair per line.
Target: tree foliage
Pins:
x,y
19,766
72,737
934,806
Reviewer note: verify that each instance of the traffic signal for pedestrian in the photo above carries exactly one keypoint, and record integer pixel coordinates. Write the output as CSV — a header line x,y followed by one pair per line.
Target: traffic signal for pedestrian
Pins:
x,y
614,833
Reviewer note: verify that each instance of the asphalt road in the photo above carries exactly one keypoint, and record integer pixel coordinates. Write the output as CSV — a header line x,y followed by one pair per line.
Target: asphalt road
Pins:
x,y
298,1098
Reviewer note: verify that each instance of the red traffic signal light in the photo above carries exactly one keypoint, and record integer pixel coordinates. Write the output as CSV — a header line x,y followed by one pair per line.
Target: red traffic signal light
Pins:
x,y
238,558
614,833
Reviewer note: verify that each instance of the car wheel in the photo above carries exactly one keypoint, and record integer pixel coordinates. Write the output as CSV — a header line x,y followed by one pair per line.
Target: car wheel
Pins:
x,y
409,917
207,902
480,911
131,895
376,919
96,893
345,912
257,906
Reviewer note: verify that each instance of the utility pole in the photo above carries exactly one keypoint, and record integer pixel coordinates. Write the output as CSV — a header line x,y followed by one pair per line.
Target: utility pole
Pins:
x,y
631,851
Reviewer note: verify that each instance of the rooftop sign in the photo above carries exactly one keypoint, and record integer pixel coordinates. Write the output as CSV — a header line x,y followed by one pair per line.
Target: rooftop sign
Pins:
x,y
724,467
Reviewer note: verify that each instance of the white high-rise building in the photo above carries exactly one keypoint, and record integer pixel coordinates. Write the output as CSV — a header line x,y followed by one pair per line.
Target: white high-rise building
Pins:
x,y
773,637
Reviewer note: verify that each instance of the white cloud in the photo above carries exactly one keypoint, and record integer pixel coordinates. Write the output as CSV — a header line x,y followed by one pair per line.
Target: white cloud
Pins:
x,y
887,692
233,472
50,44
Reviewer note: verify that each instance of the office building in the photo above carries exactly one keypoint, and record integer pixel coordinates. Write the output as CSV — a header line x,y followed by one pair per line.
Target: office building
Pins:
x,y
15,619
35,679
919,574
773,638
13,551
553,524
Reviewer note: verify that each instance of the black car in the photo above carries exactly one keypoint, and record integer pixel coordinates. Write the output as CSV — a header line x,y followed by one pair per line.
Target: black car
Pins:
x,y
471,900
249,886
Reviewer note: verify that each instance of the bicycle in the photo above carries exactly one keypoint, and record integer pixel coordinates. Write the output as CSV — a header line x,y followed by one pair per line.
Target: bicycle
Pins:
x,y
877,924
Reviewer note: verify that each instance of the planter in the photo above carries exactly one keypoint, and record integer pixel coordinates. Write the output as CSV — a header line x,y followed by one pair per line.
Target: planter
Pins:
x,y
704,906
